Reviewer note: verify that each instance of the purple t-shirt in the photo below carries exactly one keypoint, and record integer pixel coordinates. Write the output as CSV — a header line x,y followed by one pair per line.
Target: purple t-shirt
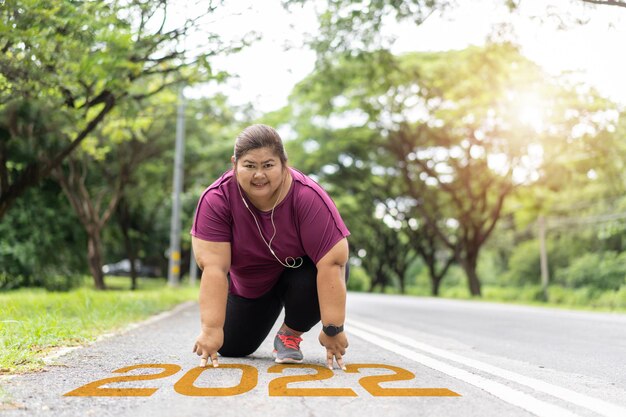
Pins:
x,y
307,223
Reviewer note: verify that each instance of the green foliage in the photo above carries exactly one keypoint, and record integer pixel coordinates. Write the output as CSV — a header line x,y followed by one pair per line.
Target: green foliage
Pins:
x,y
603,271
492,265
612,300
62,283
40,238
583,298
358,280
64,68
519,294
524,264
354,26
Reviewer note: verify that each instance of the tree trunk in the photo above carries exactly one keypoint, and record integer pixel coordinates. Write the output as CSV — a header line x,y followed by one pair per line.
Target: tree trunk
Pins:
x,y
402,285
469,267
94,257
400,272
124,221
133,272
88,211
435,282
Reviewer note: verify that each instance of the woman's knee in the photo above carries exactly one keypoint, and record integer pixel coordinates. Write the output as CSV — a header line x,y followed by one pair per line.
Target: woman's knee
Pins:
x,y
236,351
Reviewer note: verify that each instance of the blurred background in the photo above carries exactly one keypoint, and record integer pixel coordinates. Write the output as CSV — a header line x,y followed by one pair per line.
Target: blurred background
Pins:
x,y
473,148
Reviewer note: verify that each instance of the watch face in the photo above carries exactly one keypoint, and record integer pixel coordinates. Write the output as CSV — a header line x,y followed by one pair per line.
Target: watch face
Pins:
x,y
331,330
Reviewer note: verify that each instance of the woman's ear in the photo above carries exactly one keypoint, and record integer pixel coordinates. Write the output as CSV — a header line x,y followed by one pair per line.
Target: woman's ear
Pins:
x,y
232,159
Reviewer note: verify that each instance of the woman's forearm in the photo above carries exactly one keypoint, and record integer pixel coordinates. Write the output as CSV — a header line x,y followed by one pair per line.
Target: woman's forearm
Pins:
x,y
212,298
331,290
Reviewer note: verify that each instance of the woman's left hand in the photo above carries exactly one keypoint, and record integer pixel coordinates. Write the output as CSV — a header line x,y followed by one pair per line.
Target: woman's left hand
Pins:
x,y
335,348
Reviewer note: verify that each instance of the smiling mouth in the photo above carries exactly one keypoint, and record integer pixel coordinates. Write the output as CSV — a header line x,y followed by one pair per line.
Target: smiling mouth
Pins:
x,y
260,185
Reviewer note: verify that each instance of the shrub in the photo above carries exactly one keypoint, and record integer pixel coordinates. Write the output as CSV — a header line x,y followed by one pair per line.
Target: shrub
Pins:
x,y
524,264
602,271
358,280
10,281
62,283
527,293
614,300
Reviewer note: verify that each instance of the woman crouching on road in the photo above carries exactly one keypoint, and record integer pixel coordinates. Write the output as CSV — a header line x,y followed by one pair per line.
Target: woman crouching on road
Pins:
x,y
266,236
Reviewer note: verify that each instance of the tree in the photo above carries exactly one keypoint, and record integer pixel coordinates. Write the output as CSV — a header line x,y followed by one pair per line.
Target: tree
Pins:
x,y
458,181
65,67
352,27
460,129
94,200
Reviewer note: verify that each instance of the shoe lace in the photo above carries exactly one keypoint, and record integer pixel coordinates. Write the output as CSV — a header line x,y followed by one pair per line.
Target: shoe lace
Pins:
x,y
291,342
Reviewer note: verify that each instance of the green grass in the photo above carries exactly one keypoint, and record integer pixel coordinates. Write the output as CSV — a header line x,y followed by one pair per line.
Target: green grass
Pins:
x,y
587,299
33,321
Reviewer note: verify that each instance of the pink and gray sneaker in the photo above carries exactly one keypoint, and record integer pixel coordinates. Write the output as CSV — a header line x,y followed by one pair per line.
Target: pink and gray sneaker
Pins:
x,y
287,348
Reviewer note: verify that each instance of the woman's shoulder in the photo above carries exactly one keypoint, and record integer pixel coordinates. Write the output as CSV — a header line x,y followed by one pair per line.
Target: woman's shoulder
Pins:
x,y
303,181
307,189
220,187
223,180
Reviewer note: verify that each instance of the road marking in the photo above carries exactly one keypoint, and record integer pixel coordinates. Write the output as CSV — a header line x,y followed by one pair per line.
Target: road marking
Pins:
x,y
510,395
594,404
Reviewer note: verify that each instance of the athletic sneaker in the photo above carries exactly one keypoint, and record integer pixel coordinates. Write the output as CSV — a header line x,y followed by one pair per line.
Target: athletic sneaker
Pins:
x,y
287,348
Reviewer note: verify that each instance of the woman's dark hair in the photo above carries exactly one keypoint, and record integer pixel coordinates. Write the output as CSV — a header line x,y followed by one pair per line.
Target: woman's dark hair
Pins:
x,y
259,136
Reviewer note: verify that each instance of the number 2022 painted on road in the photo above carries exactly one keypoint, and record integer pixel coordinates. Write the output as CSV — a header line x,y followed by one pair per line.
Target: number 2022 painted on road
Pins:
x,y
249,380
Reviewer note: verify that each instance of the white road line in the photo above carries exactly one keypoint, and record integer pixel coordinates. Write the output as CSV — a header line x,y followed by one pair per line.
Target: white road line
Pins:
x,y
510,395
594,404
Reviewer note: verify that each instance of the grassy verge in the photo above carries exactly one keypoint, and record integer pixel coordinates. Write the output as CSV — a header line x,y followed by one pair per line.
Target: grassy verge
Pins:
x,y
587,299
33,321
455,287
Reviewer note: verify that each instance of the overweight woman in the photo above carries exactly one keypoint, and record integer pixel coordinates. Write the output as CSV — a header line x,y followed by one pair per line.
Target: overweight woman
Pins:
x,y
266,236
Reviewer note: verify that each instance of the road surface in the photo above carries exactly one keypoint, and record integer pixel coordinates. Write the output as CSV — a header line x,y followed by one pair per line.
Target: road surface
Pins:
x,y
407,357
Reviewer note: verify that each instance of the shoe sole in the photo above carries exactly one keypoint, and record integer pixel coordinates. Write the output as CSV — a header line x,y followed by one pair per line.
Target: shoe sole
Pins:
x,y
286,360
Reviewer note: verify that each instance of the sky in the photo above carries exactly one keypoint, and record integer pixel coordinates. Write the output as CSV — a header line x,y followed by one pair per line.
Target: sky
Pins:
x,y
266,71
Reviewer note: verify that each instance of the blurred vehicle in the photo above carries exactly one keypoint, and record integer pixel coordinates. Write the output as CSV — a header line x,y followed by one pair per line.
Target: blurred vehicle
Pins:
x,y
123,268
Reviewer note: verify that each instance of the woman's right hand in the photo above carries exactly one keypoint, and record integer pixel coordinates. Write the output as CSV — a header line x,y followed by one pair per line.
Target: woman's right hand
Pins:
x,y
207,344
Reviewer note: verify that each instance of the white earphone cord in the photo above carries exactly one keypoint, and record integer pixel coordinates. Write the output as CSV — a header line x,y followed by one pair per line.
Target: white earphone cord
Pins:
x,y
290,262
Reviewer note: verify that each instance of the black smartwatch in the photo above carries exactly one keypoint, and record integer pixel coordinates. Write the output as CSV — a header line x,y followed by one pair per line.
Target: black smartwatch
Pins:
x,y
332,330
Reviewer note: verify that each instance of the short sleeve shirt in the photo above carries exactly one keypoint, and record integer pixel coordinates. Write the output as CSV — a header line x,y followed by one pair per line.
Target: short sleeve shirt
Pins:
x,y
307,224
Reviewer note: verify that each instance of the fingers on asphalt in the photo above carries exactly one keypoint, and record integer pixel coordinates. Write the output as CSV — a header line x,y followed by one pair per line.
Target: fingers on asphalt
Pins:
x,y
340,363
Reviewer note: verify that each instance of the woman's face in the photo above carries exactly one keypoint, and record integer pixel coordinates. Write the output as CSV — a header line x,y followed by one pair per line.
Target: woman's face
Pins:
x,y
260,174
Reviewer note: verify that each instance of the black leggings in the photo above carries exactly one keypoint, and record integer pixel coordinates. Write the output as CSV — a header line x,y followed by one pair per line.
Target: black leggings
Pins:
x,y
249,321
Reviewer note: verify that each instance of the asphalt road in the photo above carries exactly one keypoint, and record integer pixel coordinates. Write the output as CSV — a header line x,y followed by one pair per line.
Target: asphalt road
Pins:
x,y
408,357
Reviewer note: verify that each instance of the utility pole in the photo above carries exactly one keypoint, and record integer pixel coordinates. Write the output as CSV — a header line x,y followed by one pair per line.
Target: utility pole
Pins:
x,y
545,274
173,275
